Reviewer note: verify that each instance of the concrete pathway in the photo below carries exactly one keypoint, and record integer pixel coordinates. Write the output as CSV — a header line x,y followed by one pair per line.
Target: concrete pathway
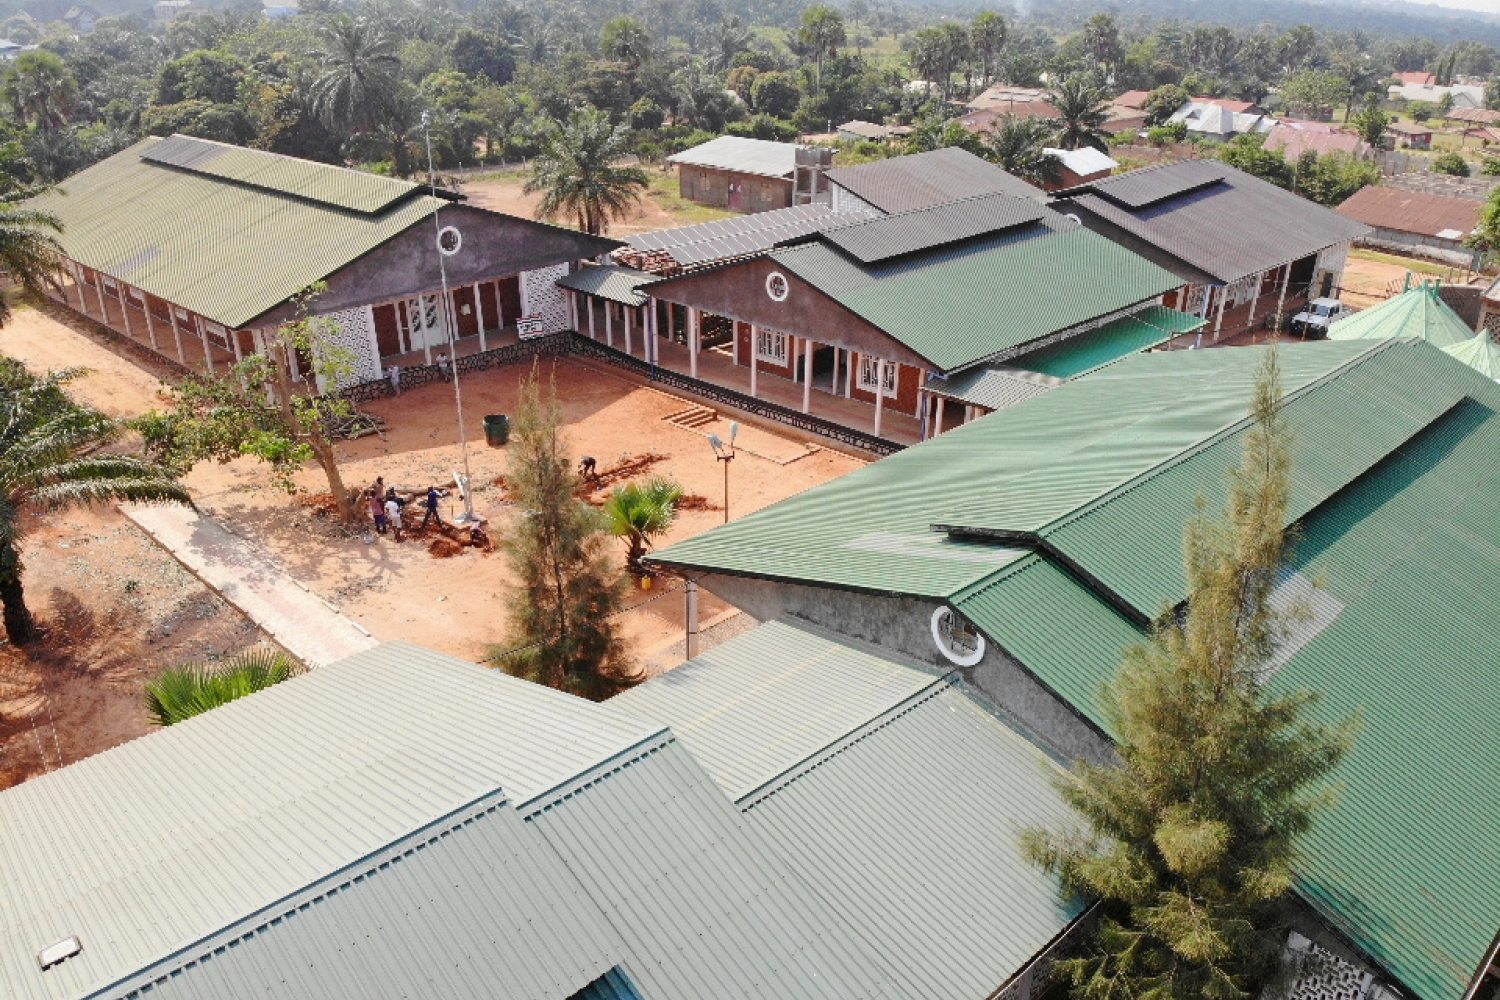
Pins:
x,y
297,619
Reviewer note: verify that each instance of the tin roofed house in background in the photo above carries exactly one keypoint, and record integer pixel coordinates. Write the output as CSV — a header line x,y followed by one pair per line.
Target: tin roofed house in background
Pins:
x,y
1030,548
472,836
1429,225
1244,248
752,175
197,249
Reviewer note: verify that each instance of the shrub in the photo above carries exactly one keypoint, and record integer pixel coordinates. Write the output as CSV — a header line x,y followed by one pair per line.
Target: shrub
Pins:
x,y
1451,163
179,693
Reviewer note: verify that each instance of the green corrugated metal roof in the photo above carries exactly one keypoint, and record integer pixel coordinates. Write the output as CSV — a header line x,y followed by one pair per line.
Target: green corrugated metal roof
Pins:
x,y
337,187
959,305
1480,353
873,780
224,250
1414,313
993,387
1109,343
1019,469
610,281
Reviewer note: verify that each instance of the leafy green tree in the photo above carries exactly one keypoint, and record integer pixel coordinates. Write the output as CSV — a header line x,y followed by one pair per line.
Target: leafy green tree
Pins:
x,y
1081,113
567,594
1334,177
626,39
257,409
1445,104
1486,235
478,54
1371,121
1191,837
39,90
220,122
936,131
1163,102
358,75
987,34
30,254
179,693
939,51
820,33
1017,146
205,75
1167,134
578,174
1452,164
1314,93
1248,153
642,512
50,461
777,94
1420,111
1101,36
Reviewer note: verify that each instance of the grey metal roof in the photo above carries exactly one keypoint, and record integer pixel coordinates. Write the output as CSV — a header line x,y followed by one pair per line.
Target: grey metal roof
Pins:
x,y
742,155
473,907
874,240
993,387
610,281
887,787
1211,217
741,236
922,180
705,908
148,847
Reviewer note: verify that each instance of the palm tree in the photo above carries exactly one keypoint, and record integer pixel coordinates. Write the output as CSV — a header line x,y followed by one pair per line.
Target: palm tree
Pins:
x,y
820,34
359,73
179,693
48,462
29,253
641,512
576,172
1082,112
987,35
1017,146
39,90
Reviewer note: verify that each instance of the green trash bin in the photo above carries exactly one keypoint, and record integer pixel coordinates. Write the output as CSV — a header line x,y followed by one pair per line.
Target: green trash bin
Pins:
x,y
496,429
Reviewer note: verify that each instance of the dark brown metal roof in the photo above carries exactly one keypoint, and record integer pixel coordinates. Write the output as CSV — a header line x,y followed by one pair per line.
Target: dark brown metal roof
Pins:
x,y
1412,212
923,180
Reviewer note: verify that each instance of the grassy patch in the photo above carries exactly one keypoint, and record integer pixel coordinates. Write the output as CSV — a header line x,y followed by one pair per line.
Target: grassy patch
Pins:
x,y
1410,263
664,192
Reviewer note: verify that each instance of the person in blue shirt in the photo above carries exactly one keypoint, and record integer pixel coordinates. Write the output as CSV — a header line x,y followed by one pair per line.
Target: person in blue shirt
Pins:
x,y
431,505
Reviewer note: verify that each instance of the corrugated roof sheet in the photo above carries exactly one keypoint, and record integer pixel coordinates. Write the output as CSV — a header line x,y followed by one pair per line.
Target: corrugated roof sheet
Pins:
x,y
991,386
1411,211
1480,353
875,240
225,250
1418,312
610,281
336,187
127,849
923,180
986,298
1228,228
887,788
474,907
742,155
1084,160
724,239
1109,343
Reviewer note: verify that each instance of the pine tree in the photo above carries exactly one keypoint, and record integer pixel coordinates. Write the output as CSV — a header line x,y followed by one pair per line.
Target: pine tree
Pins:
x,y
1192,835
564,634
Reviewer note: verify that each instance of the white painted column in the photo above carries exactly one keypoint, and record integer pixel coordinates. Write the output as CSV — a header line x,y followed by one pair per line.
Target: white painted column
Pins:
x,y
99,293
150,323
1260,279
573,308
208,354
807,375
478,316
1219,320
942,414
609,323
499,307
653,331
629,312
125,308
78,284
694,326
234,344
593,333
734,326
692,619
879,392
176,332
671,322
754,337
1286,279
849,375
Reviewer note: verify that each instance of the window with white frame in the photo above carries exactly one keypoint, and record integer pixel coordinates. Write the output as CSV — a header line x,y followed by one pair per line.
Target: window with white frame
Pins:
x,y
771,346
868,373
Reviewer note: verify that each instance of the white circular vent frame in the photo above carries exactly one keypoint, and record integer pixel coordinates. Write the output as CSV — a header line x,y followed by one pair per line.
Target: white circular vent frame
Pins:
x,y
945,622
449,241
777,286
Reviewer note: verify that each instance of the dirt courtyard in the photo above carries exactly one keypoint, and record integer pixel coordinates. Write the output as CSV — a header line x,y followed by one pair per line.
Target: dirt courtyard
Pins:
x,y
108,586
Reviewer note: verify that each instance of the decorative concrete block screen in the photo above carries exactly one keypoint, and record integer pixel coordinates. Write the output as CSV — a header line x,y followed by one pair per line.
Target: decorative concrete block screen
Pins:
x,y
1322,975
541,297
354,330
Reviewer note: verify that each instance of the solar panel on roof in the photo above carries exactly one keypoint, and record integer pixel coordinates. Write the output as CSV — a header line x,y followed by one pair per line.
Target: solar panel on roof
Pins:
x,y
881,239
1144,188
338,187
737,237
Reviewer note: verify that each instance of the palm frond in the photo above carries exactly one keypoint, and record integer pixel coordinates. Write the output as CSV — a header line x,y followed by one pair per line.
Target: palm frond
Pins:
x,y
182,692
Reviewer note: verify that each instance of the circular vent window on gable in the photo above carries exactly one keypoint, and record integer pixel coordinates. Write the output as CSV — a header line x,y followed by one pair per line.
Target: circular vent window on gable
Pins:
x,y
777,286
449,241
956,639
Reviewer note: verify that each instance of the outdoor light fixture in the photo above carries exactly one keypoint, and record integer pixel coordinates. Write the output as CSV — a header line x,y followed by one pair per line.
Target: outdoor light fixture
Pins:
x,y
725,453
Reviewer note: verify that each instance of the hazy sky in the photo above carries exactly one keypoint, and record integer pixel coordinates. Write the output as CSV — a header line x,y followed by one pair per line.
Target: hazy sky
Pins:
x,y
1488,6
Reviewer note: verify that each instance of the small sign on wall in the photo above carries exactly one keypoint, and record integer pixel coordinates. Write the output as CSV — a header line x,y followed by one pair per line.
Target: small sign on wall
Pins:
x,y
529,326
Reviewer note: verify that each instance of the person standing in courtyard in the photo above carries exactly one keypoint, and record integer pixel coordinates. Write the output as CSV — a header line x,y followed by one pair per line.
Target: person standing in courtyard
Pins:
x,y
431,507
393,513
377,511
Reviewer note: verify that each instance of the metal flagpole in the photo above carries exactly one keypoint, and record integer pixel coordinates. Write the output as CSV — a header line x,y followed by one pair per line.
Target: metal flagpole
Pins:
x,y
449,326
